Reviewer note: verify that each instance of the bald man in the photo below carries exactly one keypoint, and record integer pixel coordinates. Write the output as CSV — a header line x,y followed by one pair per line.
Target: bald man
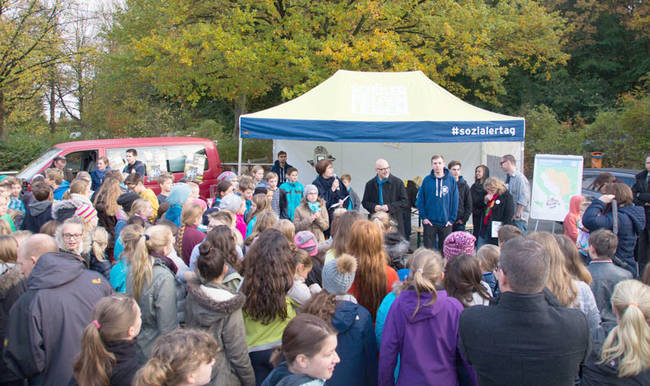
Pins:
x,y
45,324
32,249
386,193
13,286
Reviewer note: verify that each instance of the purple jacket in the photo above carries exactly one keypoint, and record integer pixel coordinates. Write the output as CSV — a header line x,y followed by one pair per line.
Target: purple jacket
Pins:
x,y
427,343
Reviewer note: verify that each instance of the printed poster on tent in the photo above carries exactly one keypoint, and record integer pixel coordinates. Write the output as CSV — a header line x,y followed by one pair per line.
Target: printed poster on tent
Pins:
x,y
194,164
556,178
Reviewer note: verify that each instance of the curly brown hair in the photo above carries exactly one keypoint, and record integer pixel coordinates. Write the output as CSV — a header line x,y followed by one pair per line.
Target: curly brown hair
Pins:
x,y
323,305
268,269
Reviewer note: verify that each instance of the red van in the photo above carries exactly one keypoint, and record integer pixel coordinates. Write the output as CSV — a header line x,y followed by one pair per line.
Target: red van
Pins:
x,y
178,155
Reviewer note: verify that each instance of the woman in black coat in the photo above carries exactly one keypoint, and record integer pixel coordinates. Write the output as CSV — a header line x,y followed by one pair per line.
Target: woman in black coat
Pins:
x,y
330,187
500,208
477,191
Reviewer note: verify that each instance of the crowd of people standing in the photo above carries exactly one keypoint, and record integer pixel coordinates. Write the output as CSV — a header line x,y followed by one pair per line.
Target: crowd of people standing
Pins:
x,y
276,282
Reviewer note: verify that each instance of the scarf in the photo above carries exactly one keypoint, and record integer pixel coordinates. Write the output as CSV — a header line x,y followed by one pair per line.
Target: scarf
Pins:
x,y
314,206
380,182
488,210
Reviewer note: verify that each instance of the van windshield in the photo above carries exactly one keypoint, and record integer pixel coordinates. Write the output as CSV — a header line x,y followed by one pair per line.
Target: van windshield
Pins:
x,y
30,170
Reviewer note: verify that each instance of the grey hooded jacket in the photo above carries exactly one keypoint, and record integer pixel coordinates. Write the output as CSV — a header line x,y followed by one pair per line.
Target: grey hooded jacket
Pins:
x,y
158,306
218,311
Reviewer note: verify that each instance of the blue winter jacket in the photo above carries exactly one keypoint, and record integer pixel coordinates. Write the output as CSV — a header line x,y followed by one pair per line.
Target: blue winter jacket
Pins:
x,y
438,199
293,192
631,221
356,346
60,190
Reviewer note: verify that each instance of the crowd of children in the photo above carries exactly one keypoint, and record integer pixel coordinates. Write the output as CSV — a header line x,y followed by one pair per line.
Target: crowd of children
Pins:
x,y
272,282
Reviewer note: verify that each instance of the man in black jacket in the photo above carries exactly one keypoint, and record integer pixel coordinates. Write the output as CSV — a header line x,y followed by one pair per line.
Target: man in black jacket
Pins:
x,y
391,198
527,338
641,191
45,324
464,197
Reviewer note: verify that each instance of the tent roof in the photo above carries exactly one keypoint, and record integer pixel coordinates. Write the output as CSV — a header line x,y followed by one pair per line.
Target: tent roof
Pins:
x,y
355,106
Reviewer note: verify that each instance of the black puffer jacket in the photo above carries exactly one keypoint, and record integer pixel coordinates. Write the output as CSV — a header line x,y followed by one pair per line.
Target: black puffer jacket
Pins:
x,y
631,221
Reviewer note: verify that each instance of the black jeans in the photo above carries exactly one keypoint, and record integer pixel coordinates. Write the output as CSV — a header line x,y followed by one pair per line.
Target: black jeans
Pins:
x,y
261,362
642,244
430,233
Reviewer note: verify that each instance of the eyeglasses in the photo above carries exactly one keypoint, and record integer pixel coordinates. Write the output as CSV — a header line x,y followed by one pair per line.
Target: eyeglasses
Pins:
x,y
383,169
70,236
502,162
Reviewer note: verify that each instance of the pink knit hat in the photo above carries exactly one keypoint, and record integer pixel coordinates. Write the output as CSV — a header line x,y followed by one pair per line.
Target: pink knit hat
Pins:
x,y
86,212
458,243
307,241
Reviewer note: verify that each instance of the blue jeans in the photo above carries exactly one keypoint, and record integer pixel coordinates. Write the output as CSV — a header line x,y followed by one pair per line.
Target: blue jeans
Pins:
x,y
481,241
522,225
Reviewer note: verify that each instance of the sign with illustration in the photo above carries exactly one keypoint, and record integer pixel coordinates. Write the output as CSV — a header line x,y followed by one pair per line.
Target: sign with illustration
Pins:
x,y
556,178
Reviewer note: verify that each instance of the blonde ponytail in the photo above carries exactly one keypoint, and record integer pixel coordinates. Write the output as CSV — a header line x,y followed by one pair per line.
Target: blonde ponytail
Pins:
x,y
99,243
426,272
141,268
629,342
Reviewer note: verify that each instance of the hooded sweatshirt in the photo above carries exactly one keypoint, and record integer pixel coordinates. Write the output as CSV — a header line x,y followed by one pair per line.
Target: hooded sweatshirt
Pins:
x,y
631,221
427,342
438,199
356,346
36,214
571,219
217,310
46,323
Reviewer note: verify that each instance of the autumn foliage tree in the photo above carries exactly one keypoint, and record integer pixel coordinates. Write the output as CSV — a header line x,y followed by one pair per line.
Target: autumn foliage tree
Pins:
x,y
241,50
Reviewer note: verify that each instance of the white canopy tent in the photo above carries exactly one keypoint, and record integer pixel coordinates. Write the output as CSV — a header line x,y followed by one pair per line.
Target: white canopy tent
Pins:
x,y
404,117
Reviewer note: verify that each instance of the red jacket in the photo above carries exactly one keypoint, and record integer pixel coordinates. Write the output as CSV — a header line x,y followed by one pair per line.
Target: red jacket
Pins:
x,y
571,219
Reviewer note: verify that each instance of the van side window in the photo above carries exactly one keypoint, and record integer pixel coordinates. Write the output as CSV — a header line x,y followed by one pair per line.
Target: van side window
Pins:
x,y
81,161
175,156
178,154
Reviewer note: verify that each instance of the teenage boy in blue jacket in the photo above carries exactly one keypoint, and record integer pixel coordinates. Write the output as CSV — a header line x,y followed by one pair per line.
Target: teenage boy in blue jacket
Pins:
x,y
438,203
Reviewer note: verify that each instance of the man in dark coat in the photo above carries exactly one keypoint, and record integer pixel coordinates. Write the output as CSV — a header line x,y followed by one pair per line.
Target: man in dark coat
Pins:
x,y
391,198
12,286
641,192
464,197
280,167
45,324
527,338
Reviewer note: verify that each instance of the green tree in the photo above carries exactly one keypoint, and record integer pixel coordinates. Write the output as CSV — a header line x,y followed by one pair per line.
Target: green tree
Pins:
x,y
239,51
28,41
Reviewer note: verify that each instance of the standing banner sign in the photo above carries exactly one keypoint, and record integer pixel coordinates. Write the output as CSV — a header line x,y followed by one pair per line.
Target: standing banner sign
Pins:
x,y
556,178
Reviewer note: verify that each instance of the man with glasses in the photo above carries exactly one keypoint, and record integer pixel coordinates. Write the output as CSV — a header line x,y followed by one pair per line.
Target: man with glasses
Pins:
x,y
519,189
386,193
45,325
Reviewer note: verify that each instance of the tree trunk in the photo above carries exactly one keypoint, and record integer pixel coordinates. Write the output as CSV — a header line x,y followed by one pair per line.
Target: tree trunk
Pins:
x,y
2,114
240,108
52,102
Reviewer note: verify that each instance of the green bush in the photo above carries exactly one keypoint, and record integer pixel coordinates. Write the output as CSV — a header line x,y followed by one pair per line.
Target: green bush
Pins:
x,y
623,134
21,147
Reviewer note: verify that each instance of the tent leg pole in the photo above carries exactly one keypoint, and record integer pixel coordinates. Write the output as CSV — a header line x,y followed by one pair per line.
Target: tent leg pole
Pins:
x,y
239,156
